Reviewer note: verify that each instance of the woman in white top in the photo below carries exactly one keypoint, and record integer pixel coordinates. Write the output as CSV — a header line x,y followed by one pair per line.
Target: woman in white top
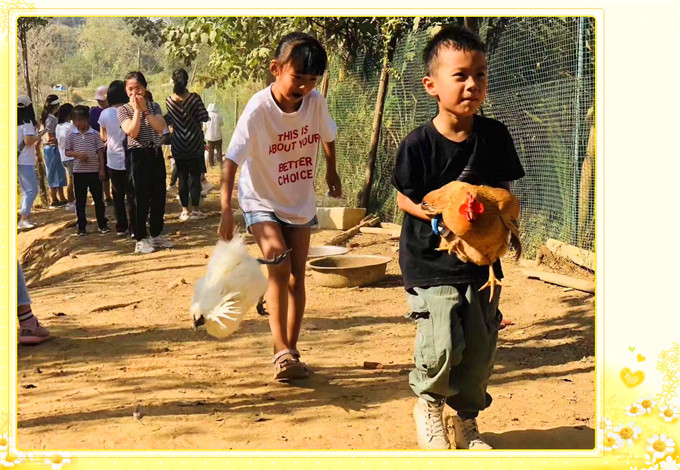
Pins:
x,y
114,137
26,140
64,128
56,174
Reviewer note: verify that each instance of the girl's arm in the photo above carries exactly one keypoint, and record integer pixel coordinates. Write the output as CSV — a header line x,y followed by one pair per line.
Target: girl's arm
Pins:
x,y
332,177
32,139
226,228
156,121
131,126
410,207
102,133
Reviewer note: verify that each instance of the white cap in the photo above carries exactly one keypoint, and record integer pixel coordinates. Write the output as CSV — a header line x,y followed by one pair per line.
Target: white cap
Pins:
x,y
23,101
100,94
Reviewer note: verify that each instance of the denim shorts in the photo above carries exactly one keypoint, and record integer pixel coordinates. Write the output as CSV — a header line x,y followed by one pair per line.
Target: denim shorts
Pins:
x,y
256,217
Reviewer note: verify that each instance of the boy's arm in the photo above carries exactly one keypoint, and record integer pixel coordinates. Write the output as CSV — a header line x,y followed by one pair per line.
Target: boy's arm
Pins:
x,y
226,227
332,177
410,207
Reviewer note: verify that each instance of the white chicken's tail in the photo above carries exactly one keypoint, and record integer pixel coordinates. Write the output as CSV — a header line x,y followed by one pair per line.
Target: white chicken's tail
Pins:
x,y
233,283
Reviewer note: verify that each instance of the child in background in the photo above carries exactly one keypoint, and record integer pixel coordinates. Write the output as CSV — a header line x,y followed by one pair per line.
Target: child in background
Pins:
x,y
26,142
56,174
276,142
64,128
87,148
457,324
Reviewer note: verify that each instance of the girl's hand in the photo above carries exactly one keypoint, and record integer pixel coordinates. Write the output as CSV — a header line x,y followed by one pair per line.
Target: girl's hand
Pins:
x,y
226,228
133,102
102,175
334,184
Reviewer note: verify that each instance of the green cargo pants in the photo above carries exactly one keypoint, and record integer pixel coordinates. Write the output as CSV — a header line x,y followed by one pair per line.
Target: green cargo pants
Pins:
x,y
455,344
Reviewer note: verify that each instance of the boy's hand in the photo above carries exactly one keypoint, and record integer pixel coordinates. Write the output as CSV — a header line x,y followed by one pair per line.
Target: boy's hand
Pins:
x,y
334,183
81,157
226,228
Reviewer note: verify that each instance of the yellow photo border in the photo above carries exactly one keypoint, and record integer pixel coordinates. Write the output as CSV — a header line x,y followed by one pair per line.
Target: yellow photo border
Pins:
x,y
614,395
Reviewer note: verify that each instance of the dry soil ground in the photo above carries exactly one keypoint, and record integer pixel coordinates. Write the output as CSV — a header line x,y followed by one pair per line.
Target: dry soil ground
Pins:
x,y
79,390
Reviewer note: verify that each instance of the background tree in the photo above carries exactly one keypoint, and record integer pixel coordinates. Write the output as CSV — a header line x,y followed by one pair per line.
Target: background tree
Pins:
x,y
24,25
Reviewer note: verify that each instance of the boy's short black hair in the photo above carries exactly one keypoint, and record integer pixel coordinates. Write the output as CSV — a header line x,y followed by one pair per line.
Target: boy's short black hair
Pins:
x,y
304,51
80,112
64,113
455,37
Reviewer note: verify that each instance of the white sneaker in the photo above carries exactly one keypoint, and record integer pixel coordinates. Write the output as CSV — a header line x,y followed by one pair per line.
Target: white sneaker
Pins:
x,y
25,225
143,246
70,206
207,186
430,425
197,215
184,216
467,434
160,241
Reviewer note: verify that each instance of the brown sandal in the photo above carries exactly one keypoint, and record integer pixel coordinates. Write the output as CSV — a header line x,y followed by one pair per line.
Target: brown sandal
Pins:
x,y
287,366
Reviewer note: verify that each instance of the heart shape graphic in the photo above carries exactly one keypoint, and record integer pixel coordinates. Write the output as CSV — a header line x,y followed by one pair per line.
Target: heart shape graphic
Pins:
x,y
631,379
631,348
641,358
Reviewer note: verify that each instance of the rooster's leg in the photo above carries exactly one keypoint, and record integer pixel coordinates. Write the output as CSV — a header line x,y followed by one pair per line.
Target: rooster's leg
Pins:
x,y
492,283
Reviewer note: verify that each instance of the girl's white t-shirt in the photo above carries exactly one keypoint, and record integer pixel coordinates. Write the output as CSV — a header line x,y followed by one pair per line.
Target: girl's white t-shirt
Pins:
x,y
27,155
115,153
64,129
277,154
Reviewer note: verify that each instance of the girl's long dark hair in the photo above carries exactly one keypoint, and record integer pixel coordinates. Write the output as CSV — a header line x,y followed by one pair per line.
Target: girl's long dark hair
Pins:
x,y
25,115
116,93
64,113
180,78
48,108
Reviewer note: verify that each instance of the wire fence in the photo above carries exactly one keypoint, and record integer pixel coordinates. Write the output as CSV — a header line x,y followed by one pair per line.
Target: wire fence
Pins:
x,y
541,86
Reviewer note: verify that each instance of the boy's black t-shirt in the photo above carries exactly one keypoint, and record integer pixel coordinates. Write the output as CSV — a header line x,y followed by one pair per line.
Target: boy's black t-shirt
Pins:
x,y
426,160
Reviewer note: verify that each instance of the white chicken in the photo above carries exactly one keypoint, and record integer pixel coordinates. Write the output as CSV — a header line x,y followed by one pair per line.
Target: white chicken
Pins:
x,y
232,285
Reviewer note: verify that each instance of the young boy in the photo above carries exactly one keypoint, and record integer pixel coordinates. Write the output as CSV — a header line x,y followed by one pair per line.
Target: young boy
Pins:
x,y
457,325
86,146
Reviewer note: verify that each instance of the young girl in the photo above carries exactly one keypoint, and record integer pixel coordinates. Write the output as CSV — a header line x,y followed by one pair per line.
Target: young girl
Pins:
x,y
113,135
276,141
56,174
26,141
64,128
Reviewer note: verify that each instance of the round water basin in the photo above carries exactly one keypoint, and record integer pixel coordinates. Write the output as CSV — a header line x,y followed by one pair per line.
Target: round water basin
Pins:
x,y
348,270
318,251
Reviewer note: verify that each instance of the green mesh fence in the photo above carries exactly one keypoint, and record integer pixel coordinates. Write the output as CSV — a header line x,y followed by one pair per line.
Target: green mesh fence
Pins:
x,y
541,85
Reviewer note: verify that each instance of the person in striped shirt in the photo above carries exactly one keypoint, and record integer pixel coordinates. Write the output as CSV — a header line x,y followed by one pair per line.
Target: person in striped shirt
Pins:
x,y
87,148
187,112
143,123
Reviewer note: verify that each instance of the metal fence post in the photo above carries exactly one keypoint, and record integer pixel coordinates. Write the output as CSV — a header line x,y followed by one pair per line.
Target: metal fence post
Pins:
x,y
577,131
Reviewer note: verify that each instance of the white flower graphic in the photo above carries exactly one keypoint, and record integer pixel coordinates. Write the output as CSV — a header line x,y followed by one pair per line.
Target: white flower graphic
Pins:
x,y
660,445
647,404
635,410
628,433
669,464
10,459
606,424
670,413
612,441
57,461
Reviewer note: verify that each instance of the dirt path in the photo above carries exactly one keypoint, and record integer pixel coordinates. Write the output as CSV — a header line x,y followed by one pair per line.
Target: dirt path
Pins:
x,y
79,389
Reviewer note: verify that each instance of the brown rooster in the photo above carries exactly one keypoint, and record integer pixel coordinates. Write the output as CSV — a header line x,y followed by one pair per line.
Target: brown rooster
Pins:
x,y
480,219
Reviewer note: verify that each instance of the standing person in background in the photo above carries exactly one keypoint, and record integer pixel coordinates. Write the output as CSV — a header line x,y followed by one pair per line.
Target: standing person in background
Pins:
x,y
167,154
26,140
64,128
213,134
95,112
85,145
143,123
187,112
113,135
56,174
